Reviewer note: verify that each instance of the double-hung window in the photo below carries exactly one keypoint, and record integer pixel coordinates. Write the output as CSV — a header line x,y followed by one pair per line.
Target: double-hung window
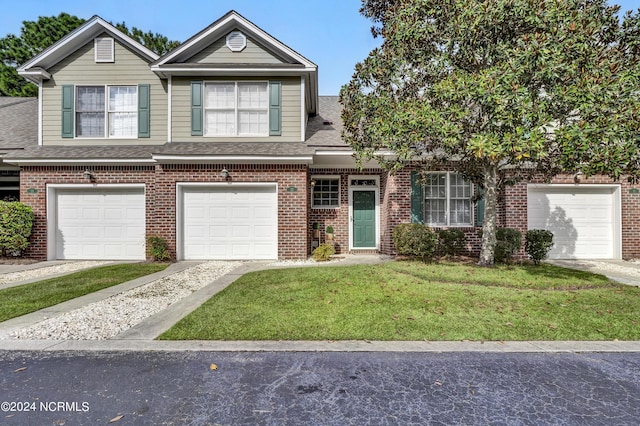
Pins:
x,y
90,116
236,109
106,111
448,200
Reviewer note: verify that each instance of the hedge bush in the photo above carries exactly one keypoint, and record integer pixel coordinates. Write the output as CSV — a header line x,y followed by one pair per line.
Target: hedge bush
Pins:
x,y
537,244
16,222
158,249
451,241
413,239
508,242
323,252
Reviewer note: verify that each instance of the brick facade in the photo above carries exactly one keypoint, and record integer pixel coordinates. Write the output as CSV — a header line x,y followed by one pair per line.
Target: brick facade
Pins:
x,y
338,217
515,202
398,210
295,214
160,189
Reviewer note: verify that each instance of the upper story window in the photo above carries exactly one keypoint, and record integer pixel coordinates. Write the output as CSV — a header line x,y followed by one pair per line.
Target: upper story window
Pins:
x,y
325,192
448,200
102,108
236,109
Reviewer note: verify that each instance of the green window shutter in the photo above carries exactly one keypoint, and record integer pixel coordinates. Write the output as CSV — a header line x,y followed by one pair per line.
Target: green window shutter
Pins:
x,y
67,111
417,213
144,118
196,108
480,208
275,108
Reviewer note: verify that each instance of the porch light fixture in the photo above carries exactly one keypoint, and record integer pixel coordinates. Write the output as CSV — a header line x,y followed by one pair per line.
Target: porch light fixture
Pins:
x,y
88,175
313,183
225,173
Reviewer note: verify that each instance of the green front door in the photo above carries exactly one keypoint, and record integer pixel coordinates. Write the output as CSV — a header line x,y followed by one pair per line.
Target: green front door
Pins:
x,y
364,219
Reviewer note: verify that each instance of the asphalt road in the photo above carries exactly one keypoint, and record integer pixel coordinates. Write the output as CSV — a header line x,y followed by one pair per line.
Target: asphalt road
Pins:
x,y
285,388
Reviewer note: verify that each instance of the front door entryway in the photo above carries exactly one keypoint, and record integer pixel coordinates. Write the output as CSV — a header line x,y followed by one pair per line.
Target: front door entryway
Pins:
x,y
364,219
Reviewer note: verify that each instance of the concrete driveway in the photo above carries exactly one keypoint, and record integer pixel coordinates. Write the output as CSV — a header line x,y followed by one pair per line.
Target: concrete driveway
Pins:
x,y
626,272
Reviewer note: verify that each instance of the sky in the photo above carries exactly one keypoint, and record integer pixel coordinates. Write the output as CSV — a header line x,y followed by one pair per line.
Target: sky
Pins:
x,y
330,33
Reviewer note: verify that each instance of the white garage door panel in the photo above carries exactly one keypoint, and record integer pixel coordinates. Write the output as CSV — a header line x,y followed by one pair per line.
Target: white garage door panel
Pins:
x,y
582,220
100,224
230,222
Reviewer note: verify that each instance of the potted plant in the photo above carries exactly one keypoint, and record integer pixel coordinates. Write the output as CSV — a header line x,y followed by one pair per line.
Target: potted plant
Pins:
x,y
329,233
316,230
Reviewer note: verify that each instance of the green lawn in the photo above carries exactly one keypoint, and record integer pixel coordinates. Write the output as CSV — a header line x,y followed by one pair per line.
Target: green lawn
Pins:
x,y
27,298
416,301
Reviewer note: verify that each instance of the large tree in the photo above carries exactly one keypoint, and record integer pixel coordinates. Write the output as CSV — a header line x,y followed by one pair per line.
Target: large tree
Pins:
x,y
500,90
153,41
35,36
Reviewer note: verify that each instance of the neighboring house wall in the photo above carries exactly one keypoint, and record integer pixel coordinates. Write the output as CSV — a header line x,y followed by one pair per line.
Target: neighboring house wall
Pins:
x,y
515,201
80,68
219,53
291,102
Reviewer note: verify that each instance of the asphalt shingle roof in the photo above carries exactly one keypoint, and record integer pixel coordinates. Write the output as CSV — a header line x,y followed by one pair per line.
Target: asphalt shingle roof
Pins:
x,y
325,129
18,122
18,130
88,152
235,148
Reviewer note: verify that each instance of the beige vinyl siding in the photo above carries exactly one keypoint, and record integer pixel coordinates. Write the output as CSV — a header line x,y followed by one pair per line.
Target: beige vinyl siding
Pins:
x,y
291,110
218,53
80,68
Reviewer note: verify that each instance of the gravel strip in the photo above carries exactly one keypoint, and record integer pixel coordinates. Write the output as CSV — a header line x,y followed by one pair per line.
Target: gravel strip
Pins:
x,y
306,262
46,271
109,317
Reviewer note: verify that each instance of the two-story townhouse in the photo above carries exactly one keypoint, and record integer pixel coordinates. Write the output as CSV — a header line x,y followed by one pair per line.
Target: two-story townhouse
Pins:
x,y
223,148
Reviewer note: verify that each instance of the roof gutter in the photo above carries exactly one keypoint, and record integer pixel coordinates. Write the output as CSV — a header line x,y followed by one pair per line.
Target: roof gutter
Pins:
x,y
34,75
232,159
77,161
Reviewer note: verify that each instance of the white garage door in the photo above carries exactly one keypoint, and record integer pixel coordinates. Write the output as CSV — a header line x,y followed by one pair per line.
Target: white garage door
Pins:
x,y
583,220
100,224
237,222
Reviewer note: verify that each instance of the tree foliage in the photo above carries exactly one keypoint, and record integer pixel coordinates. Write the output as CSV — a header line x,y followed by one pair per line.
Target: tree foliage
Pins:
x,y
507,89
35,36
152,41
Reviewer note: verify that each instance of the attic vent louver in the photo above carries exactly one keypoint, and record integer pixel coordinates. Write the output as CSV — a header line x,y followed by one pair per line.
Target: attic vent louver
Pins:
x,y
104,49
236,41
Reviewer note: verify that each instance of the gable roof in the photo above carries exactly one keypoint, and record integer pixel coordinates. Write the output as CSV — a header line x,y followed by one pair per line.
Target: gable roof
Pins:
x,y
176,62
36,68
220,28
18,122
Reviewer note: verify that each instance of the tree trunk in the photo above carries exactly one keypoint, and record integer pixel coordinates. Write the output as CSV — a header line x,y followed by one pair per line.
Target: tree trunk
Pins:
x,y
489,226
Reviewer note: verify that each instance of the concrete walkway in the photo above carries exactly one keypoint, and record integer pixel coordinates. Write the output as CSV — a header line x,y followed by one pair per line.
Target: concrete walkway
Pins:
x,y
141,337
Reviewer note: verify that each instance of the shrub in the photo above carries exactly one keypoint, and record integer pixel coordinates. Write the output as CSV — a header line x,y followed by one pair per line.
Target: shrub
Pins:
x,y
508,242
323,252
413,239
158,249
451,241
329,230
16,221
537,244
